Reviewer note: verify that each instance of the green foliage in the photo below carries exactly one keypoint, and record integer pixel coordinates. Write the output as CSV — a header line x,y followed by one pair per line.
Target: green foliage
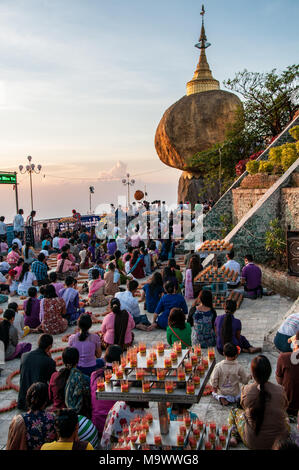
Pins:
x,y
266,167
268,106
275,155
288,155
252,167
275,240
294,132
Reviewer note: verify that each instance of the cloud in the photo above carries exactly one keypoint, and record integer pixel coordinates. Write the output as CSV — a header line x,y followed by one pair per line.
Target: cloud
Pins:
x,y
116,172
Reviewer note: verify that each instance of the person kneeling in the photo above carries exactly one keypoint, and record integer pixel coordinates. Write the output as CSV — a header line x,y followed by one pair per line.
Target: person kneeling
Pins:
x,y
227,376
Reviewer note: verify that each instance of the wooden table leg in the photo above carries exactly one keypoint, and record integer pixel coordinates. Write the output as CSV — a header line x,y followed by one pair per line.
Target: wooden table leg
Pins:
x,y
163,418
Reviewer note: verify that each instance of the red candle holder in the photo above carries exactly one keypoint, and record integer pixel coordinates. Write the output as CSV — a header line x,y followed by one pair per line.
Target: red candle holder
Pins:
x,y
167,363
134,438
205,363
140,374
224,430
169,387
201,370
158,439
190,388
149,418
101,385
193,442
188,366
196,433
119,374
180,440
146,387
212,437
187,420
173,356
150,362
196,380
208,445
222,440
142,437
183,430
194,359
124,387
161,373
181,375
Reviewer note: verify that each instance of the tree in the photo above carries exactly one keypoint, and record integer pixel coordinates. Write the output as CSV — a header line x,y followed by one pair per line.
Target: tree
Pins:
x,y
269,98
269,105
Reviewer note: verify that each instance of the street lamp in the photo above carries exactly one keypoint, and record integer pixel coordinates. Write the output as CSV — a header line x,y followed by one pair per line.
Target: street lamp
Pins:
x,y
127,182
91,191
31,168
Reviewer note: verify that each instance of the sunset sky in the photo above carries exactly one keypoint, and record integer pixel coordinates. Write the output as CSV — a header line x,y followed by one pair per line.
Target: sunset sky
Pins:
x,y
84,84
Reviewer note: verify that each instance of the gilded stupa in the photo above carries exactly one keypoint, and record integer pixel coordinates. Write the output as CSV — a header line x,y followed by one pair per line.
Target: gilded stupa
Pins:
x,y
195,123
203,79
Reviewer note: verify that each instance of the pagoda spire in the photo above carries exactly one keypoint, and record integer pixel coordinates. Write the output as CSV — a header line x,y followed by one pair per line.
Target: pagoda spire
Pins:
x,y
203,79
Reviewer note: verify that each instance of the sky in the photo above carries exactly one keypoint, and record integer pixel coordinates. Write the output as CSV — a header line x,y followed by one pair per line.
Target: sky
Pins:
x,y
84,84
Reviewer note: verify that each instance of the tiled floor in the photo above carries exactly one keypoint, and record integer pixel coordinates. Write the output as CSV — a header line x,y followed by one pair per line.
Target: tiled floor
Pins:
x,y
257,319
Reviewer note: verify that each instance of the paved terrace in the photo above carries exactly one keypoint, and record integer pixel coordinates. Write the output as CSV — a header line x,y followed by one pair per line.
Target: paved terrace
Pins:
x,y
258,317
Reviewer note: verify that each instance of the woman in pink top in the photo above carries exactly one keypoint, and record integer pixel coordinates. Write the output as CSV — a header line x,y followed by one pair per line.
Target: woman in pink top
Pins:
x,y
88,345
117,327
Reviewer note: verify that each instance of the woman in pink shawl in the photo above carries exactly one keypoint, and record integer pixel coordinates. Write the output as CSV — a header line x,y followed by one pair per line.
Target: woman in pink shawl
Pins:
x,y
96,297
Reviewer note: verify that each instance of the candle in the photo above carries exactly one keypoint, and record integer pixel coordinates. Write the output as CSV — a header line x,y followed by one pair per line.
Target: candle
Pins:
x,y
178,347
134,438
145,427
194,359
211,352
225,430
139,374
100,385
153,355
133,361
108,375
182,430
208,445
161,374
157,439
142,437
115,366
125,431
213,426
188,366
123,360
146,387
193,442
196,380
205,363
124,386
169,387
201,370
180,440
196,433
197,350
212,437
150,362
218,447
190,389
199,424
181,374
167,363
187,420
121,440
119,374
142,348
173,356
160,349
222,440
149,418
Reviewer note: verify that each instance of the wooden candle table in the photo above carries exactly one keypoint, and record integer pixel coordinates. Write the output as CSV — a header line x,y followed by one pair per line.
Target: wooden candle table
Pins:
x,y
172,388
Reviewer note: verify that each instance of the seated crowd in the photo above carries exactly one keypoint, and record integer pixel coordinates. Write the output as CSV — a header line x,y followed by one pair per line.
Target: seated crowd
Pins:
x,y
60,409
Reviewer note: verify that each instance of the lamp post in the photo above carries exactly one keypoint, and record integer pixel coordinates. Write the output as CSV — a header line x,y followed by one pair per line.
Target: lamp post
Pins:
x,y
91,191
127,182
30,169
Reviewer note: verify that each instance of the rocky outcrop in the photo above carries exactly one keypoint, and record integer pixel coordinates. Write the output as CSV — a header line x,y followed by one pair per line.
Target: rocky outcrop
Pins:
x,y
192,124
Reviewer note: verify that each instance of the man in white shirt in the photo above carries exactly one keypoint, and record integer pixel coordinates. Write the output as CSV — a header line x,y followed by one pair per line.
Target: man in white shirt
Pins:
x,y
55,243
18,224
130,303
18,242
233,265
2,228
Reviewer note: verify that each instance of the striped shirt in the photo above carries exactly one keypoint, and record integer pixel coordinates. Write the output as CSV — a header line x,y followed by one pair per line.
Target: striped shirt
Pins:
x,y
87,431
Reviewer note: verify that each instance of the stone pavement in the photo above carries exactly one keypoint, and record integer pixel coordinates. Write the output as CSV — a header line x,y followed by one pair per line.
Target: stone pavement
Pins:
x,y
257,317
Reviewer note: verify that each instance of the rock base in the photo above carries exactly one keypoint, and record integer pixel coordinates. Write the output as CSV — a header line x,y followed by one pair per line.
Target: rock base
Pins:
x,y
191,187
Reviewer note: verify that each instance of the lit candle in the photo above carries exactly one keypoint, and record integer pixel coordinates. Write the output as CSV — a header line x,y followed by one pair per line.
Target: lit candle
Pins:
x,y
173,356
161,374
157,439
196,380
193,442
183,430
139,374
119,374
212,437
222,440
194,359
150,362
187,420
188,366
142,437
169,387
167,363
190,389
225,430
208,445
146,387
181,374
100,385
124,386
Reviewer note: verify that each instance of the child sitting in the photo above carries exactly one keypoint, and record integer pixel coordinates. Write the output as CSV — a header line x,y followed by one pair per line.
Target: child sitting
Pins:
x,y
227,376
19,320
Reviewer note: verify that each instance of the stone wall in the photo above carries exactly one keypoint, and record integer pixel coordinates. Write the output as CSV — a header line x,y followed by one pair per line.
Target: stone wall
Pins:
x,y
244,200
290,208
280,282
213,225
